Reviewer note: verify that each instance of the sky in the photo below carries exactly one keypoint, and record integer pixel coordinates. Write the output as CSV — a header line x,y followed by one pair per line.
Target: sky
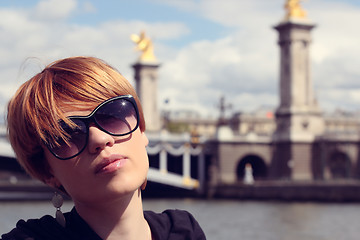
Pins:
x,y
206,48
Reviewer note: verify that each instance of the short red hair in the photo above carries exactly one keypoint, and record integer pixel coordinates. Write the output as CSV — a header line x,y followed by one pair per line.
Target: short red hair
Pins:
x,y
68,84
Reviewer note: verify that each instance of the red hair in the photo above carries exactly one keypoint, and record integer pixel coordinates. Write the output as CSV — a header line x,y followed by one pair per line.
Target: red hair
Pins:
x,y
76,83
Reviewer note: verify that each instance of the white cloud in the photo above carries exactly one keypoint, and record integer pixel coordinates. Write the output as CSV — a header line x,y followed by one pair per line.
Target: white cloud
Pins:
x,y
248,14
47,10
88,7
335,31
241,64
244,65
335,54
24,36
187,5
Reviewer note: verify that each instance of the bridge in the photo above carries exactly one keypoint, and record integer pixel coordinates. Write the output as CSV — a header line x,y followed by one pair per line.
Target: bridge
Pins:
x,y
185,151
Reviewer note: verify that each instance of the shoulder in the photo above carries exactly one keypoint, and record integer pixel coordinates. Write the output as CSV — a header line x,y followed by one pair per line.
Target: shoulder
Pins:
x,y
44,228
174,224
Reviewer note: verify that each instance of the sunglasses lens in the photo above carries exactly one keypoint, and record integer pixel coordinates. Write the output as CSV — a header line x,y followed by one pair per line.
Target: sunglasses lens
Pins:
x,y
117,117
76,141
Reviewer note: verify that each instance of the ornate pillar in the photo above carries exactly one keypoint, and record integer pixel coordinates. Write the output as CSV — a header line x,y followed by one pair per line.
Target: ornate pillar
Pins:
x,y
298,117
146,81
146,78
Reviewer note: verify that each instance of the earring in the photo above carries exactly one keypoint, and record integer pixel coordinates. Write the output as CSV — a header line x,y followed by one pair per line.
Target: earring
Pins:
x,y
57,201
143,186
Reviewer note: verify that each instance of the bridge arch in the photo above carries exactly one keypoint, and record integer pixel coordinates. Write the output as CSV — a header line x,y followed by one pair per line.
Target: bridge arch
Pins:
x,y
339,165
259,167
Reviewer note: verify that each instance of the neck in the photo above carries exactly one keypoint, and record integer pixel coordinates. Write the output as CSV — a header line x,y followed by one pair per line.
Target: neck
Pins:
x,y
120,219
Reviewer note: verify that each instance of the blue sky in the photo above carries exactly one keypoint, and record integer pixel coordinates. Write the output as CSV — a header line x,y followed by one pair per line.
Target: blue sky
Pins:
x,y
207,48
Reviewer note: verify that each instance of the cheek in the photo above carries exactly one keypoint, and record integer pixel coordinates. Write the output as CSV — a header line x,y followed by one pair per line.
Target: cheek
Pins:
x,y
137,148
53,165
140,145
58,168
144,139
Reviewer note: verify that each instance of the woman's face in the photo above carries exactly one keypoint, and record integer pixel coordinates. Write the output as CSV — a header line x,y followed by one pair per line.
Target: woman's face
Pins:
x,y
108,168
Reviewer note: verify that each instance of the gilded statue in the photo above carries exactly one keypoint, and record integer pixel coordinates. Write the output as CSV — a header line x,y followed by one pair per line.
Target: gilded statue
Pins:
x,y
294,9
144,45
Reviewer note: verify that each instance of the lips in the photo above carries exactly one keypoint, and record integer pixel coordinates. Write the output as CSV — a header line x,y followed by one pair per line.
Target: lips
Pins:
x,y
110,164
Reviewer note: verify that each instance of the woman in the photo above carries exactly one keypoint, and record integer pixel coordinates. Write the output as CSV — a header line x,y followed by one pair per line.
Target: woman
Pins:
x,y
78,126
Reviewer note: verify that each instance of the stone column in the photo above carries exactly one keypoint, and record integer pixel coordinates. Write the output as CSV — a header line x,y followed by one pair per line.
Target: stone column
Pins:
x,y
298,117
146,78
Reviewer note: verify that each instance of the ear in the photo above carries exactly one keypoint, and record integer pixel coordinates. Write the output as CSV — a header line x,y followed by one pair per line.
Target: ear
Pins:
x,y
53,182
145,139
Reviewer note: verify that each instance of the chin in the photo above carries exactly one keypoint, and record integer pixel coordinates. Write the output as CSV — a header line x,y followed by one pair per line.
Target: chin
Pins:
x,y
123,185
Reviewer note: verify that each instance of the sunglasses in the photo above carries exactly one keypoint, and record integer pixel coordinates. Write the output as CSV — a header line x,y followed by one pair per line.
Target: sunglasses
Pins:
x,y
118,116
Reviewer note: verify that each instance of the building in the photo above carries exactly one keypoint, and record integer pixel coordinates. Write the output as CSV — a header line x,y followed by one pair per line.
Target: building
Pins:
x,y
294,142
297,142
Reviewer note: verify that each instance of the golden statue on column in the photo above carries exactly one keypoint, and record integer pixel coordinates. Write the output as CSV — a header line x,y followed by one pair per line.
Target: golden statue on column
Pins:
x,y
294,9
144,45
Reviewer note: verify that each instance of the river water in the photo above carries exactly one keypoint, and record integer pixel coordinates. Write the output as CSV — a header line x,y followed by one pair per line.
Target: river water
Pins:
x,y
231,219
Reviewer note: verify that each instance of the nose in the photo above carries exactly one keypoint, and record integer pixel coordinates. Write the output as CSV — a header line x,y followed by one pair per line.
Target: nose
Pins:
x,y
98,140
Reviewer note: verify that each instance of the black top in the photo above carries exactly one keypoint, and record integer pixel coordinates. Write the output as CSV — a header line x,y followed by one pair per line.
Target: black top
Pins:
x,y
171,224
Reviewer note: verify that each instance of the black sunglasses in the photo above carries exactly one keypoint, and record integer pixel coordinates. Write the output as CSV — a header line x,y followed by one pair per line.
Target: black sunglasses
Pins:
x,y
116,116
